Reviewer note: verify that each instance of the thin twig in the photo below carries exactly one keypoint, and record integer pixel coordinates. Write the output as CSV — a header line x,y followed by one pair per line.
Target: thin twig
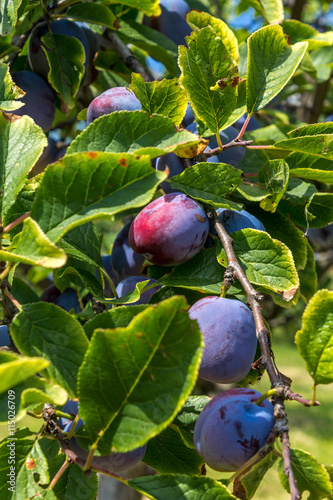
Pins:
x,y
127,55
276,378
15,223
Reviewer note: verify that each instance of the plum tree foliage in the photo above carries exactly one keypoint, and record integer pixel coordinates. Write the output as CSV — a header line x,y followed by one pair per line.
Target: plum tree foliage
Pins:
x,y
195,137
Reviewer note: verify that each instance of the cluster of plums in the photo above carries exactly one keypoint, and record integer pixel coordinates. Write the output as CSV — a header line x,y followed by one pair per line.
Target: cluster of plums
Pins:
x,y
115,462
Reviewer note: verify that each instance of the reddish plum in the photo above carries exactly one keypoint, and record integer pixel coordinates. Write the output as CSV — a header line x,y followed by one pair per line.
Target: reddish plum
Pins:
x,y
230,338
114,99
232,428
170,230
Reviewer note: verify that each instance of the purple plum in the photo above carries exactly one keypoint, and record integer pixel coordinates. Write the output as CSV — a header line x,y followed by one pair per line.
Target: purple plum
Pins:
x,y
229,333
4,337
38,100
170,230
232,428
128,285
234,221
123,259
175,166
114,99
67,299
172,21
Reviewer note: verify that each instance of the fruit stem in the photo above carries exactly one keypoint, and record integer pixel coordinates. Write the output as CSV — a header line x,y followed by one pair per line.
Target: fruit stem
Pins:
x,y
242,130
15,223
58,475
72,430
60,413
268,394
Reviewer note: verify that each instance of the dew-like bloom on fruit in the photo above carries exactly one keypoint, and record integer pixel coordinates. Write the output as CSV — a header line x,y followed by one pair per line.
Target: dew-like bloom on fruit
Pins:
x,y
229,333
170,230
114,99
231,429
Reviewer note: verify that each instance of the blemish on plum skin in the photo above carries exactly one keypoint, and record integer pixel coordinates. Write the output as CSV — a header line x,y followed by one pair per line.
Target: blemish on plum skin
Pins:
x,y
199,218
92,154
122,162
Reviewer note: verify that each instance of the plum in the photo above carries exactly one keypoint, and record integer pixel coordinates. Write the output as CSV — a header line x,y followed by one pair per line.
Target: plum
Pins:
x,y
231,429
232,156
172,21
115,462
4,337
114,99
229,333
123,259
170,230
174,164
189,117
128,285
36,54
67,299
38,101
234,221
51,154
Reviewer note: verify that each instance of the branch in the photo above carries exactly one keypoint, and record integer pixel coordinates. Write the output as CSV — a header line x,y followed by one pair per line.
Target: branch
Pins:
x,y
126,55
276,378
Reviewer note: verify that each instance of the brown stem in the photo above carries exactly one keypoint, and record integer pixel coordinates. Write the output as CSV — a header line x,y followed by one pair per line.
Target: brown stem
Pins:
x,y
318,101
277,380
296,11
242,130
288,471
58,475
231,144
127,55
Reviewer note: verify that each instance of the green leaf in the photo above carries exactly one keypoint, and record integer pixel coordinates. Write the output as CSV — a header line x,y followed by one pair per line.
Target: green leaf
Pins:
x,y
294,204
146,378
315,340
308,275
299,32
163,487
136,132
310,167
46,329
272,11
187,418
21,144
8,16
33,247
309,474
282,228
73,483
203,64
111,183
9,91
266,262
22,292
252,479
115,318
275,176
320,209
66,56
22,204
82,243
202,272
155,43
16,371
148,7
208,182
28,481
198,20
271,64
93,13
315,143
167,453
166,98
